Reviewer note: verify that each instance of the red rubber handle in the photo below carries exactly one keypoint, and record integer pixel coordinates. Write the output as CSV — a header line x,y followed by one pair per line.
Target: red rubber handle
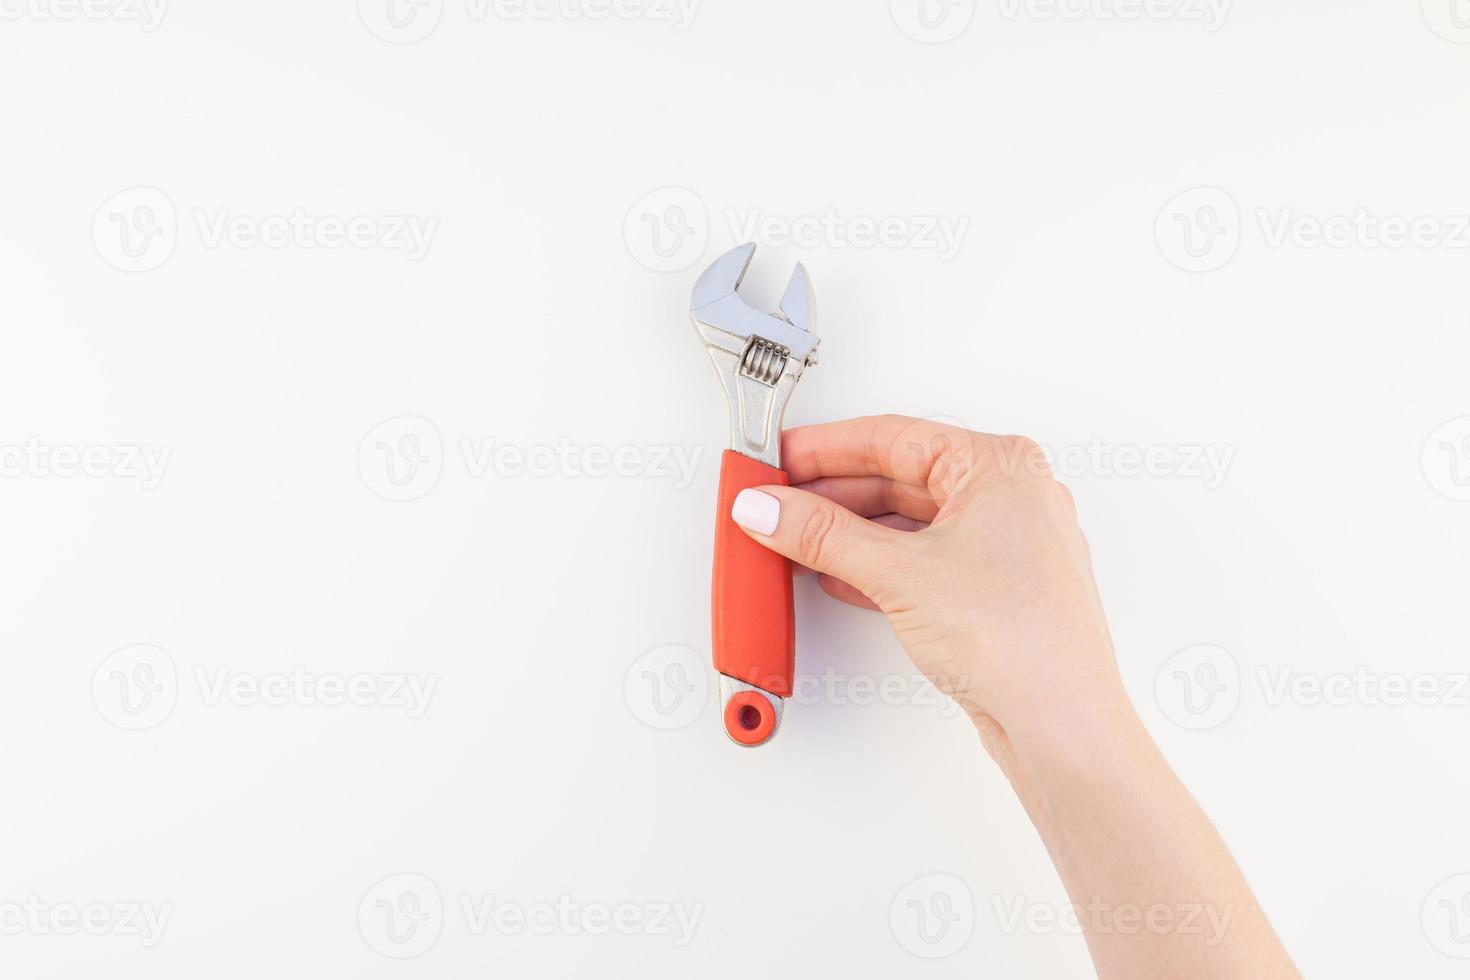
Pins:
x,y
754,617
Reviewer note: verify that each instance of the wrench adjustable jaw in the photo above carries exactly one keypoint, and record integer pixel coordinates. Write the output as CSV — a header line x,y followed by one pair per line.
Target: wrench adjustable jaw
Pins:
x,y
759,357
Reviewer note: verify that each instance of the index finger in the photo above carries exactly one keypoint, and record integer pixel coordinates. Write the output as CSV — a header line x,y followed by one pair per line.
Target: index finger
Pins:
x,y
903,449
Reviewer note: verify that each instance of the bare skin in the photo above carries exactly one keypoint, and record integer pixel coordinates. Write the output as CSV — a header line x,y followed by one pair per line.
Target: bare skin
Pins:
x,y
972,550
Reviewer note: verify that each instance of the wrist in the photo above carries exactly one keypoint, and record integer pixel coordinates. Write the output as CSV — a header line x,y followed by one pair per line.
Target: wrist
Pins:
x,y
1067,739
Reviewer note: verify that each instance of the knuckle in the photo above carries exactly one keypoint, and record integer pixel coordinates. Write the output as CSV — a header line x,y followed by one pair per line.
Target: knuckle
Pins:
x,y
1022,445
1069,502
815,537
1022,456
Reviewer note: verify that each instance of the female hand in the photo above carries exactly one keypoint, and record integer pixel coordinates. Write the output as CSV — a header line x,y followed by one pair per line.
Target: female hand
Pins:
x,y
973,551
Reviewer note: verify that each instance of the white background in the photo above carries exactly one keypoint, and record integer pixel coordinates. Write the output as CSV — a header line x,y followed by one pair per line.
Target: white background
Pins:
x,y
544,313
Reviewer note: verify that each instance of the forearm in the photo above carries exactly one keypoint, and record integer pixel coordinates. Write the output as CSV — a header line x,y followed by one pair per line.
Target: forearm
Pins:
x,y
995,600
1156,890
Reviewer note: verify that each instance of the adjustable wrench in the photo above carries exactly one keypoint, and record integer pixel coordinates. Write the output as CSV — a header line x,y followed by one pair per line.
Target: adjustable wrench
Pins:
x,y
759,358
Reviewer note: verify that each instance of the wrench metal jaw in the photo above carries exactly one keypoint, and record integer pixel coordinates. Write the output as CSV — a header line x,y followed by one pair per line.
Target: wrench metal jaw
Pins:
x,y
758,356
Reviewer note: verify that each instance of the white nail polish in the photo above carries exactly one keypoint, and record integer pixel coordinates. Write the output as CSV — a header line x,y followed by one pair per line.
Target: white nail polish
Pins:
x,y
760,512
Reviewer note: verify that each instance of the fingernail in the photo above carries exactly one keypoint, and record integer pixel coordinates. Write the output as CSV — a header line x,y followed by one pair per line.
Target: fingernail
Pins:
x,y
756,511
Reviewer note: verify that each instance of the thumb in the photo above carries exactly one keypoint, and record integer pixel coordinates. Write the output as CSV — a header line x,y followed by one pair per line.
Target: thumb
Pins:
x,y
812,530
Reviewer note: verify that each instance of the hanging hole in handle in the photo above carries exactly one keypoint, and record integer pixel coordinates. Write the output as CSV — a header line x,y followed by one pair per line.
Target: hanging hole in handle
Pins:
x,y
750,718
